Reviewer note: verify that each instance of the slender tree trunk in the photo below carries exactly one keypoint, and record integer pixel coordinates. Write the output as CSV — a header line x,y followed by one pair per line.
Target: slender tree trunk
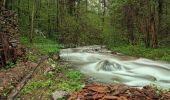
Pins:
x,y
147,39
18,8
160,11
49,18
32,22
86,6
153,26
129,11
72,6
4,3
153,35
57,16
104,11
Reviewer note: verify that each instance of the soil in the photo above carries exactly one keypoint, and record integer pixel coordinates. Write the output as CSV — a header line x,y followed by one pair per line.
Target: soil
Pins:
x,y
11,77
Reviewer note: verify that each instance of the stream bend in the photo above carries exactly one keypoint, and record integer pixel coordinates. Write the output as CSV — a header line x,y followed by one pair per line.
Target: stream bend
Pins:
x,y
99,63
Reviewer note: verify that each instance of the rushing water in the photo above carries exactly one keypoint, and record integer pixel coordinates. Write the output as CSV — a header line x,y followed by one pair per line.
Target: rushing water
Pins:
x,y
104,66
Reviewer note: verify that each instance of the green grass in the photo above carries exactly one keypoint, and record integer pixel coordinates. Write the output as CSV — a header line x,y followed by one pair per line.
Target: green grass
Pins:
x,y
161,53
74,75
35,85
62,78
43,45
50,84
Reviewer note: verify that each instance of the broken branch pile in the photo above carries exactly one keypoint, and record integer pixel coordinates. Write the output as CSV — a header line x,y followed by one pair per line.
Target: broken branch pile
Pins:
x,y
9,25
8,36
117,92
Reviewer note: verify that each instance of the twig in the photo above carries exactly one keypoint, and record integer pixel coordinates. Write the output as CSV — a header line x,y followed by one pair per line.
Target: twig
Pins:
x,y
19,86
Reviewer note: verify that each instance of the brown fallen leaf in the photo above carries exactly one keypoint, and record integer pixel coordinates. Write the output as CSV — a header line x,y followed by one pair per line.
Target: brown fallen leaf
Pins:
x,y
111,98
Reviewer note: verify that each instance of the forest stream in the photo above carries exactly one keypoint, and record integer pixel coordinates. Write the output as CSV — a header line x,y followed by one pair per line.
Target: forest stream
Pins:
x,y
108,67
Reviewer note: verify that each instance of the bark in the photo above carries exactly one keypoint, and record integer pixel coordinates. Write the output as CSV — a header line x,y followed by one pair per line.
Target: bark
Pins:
x,y
153,26
129,17
32,22
104,10
4,3
71,4
86,5
153,35
160,12
49,19
147,39
57,17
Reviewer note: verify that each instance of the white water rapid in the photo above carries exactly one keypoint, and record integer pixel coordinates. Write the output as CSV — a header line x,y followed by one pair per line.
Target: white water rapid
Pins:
x,y
104,66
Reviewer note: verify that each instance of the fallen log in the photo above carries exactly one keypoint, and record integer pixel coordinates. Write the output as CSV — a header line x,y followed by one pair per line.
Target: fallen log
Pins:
x,y
19,86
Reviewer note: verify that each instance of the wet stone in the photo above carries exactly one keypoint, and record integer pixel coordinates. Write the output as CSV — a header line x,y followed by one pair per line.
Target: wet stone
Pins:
x,y
59,94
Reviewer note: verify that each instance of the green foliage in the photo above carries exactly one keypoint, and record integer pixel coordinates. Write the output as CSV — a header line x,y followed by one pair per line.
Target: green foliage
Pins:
x,y
9,64
35,85
50,74
85,25
69,86
166,57
74,75
51,61
141,51
43,45
32,57
70,81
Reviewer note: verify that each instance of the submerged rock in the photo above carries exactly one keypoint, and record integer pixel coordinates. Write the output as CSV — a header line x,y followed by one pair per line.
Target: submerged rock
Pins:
x,y
105,65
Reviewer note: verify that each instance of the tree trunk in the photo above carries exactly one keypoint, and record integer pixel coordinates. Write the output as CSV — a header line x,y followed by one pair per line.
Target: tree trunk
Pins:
x,y
153,36
4,3
57,19
86,6
49,18
104,11
160,11
153,26
32,22
147,38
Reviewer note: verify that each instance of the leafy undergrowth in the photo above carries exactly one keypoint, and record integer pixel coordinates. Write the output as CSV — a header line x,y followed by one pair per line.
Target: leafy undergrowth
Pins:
x,y
39,47
60,78
140,51
55,77
43,45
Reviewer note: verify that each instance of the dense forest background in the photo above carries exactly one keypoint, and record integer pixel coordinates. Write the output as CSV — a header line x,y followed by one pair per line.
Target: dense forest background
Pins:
x,y
33,61
86,22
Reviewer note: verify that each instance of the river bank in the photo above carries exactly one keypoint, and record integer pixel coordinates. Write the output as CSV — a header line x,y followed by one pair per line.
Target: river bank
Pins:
x,y
53,76
160,53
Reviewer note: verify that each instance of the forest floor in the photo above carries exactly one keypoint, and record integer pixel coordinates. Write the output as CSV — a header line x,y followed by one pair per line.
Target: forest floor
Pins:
x,y
48,75
55,78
